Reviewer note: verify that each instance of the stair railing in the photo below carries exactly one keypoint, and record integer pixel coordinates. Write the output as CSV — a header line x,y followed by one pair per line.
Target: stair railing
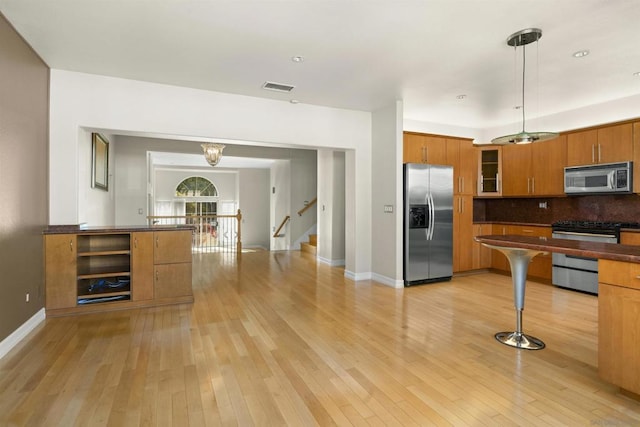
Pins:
x,y
212,233
282,224
307,206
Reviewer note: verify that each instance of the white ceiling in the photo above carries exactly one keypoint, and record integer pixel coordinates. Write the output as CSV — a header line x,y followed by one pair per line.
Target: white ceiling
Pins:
x,y
358,54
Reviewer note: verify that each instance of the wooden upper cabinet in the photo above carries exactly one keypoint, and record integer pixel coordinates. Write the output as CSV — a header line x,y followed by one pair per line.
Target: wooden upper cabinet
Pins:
x,y
516,170
461,155
535,169
581,147
602,145
419,148
489,170
548,159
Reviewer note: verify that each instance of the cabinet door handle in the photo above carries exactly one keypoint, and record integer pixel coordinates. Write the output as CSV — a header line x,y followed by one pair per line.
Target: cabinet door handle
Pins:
x,y
157,241
528,185
156,275
424,154
71,245
135,243
533,185
599,153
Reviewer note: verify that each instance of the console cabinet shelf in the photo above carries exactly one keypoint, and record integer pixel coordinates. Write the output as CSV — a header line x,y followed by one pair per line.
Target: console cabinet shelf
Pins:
x,y
103,270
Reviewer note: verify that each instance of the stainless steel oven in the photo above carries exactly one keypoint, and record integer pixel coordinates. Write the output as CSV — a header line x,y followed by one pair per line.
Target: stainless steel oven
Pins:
x,y
581,273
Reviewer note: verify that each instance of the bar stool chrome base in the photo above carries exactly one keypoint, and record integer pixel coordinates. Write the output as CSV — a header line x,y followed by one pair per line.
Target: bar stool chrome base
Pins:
x,y
519,340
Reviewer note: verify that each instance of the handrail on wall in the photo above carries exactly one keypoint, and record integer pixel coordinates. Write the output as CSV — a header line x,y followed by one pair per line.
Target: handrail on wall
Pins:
x,y
282,224
308,206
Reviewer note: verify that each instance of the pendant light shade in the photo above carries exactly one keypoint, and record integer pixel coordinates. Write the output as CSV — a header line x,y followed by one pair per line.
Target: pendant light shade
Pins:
x,y
523,38
212,152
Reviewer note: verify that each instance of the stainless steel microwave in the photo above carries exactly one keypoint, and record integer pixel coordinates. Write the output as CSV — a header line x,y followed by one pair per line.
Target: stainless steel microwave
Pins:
x,y
603,178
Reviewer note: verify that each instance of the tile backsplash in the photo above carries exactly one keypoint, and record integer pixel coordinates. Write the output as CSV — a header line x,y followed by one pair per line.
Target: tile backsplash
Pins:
x,y
615,208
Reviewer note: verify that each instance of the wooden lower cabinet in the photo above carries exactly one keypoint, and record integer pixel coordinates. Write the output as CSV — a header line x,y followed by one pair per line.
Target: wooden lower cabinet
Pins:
x,y
481,255
172,280
540,266
619,324
142,266
462,233
104,270
630,238
60,257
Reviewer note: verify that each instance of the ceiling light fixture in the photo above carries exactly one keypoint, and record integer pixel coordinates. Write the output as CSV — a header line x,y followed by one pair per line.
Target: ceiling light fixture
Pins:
x,y
581,53
212,152
636,74
297,58
463,96
523,38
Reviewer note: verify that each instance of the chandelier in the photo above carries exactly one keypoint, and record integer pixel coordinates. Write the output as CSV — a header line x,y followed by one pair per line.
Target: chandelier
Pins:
x,y
523,38
212,152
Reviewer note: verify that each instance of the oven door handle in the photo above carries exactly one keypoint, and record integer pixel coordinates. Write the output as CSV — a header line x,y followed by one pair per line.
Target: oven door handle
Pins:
x,y
580,257
574,233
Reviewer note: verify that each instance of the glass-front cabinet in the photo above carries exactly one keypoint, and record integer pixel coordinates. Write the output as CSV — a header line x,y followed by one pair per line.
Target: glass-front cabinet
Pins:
x,y
489,171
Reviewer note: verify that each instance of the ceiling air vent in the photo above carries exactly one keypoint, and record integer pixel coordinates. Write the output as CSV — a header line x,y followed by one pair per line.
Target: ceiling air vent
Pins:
x,y
278,87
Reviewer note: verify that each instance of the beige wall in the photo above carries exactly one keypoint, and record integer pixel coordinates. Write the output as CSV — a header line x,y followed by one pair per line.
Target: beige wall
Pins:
x,y
24,101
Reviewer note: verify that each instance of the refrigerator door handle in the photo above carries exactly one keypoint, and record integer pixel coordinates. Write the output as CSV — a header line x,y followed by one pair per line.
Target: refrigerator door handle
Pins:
x,y
432,212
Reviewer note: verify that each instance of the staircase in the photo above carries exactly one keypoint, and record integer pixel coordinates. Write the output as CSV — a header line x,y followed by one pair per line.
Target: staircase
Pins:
x,y
311,246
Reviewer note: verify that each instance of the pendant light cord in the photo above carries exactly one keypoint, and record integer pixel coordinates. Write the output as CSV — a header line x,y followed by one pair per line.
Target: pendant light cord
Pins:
x,y
524,57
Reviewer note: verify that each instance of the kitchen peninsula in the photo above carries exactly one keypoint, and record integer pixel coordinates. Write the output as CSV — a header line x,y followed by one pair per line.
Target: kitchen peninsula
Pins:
x,y
618,300
114,268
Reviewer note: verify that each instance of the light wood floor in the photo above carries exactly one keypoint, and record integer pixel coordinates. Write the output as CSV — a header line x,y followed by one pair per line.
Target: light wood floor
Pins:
x,y
276,339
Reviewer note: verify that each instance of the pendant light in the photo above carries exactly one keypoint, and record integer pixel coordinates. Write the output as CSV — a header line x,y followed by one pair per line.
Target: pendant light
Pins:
x,y
523,38
212,152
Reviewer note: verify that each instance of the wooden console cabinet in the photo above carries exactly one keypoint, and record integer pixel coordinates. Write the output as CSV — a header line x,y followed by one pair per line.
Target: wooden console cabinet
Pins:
x,y
619,324
112,269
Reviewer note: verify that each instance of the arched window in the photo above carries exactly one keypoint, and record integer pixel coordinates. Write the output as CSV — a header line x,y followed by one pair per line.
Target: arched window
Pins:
x,y
199,194
196,186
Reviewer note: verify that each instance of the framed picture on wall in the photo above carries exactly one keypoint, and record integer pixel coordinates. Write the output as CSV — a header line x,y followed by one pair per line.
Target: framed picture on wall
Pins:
x,y
100,162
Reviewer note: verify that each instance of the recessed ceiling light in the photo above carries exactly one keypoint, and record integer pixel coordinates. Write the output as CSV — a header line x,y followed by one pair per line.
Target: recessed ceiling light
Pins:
x,y
294,101
581,53
297,58
636,74
463,96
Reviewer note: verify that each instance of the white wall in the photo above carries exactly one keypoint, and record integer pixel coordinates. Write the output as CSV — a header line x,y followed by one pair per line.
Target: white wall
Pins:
x,y
337,241
142,108
280,204
331,207
254,203
96,207
386,185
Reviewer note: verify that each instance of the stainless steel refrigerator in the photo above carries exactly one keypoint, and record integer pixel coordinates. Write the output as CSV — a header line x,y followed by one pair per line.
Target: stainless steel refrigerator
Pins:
x,y
428,223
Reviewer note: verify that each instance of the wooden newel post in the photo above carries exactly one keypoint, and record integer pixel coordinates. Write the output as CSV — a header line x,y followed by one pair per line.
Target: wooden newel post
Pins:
x,y
239,242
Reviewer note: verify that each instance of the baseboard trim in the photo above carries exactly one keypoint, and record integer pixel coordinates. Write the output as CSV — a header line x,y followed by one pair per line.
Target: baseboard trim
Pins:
x,y
19,334
357,276
388,281
331,262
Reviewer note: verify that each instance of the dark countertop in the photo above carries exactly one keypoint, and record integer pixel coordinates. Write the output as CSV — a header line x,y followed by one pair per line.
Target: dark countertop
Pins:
x,y
74,228
524,224
612,251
